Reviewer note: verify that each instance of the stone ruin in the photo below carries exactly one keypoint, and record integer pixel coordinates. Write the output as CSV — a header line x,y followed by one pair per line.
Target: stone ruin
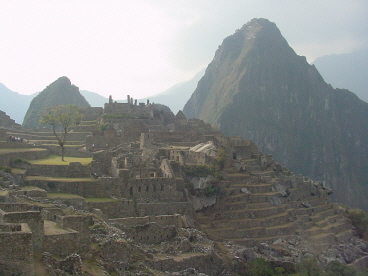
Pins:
x,y
160,191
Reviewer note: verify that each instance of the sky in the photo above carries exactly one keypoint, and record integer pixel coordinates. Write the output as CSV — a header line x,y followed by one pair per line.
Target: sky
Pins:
x,y
143,47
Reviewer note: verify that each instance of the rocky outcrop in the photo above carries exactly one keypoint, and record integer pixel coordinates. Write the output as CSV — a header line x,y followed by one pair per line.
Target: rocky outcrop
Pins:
x,y
258,88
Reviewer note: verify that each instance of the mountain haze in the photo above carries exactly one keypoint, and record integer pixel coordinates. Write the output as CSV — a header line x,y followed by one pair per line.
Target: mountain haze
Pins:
x,y
59,92
13,103
349,71
176,96
257,87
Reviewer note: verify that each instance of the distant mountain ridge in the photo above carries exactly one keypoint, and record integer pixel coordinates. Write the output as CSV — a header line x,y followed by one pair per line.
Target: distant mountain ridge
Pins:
x,y
258,88
349,71
14,104
59,92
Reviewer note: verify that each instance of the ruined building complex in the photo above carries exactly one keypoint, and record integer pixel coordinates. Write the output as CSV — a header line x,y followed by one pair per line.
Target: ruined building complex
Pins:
x,y
161,194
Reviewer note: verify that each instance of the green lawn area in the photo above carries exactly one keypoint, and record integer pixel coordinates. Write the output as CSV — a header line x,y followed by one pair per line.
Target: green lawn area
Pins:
x,y
3,151
56,160
62,179
17,171
59,195
31,188
99,199
3,193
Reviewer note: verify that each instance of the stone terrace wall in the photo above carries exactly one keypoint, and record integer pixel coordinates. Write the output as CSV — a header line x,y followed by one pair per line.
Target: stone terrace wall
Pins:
x,y
151,232
100,188
62,245
74,169
176,220
153,209
5,158
114,209
70,152
16,254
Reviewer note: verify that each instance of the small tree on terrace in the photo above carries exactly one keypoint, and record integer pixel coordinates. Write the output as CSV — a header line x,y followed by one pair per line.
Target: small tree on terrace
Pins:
x,y
62,119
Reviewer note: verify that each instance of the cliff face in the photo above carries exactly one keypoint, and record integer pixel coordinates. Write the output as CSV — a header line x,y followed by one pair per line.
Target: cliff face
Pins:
x,y
59,92
258,88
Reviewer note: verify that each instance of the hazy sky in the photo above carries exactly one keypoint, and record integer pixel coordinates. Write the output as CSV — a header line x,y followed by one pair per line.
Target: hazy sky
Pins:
x,y
143,47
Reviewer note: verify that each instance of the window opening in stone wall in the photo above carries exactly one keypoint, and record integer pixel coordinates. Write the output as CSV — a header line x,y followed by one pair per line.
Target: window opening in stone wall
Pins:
x,y
147,188
139,189
162,187
131,190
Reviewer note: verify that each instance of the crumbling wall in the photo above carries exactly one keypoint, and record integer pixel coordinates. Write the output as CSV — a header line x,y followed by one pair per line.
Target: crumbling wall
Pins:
x,y
70,266
150,232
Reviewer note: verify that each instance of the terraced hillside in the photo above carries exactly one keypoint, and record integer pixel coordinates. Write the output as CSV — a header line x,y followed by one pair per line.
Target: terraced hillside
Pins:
x,y
267,204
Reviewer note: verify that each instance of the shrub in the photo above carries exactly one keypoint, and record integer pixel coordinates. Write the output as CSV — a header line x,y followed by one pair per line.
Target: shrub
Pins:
x,y
5,169
359,219
199,170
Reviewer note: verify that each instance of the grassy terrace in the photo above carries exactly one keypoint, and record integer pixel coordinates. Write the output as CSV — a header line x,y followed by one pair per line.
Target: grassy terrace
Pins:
x,y
59,195
56,160
99,199
62,179
3,151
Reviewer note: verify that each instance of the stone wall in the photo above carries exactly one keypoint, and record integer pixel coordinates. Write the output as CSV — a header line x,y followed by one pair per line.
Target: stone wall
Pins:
x,y
5,158
32,218
176,220
72,152
153,189
80,224
114,209
153,209
62,245
74,169
16,254
150,232
209,264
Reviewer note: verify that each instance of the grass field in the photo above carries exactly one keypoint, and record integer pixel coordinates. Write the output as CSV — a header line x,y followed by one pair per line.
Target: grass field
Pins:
x,y
59,195
62,179
56,160
99,199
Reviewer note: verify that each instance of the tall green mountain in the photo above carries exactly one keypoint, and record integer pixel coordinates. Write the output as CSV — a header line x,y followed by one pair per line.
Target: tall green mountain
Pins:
x,y
257,87
59,92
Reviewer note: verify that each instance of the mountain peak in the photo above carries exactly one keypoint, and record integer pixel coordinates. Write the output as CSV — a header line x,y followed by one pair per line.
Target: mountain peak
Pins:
x,y
61,91
258,88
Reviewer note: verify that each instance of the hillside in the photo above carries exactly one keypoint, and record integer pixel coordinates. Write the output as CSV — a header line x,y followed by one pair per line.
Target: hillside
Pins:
x,y
59,92
257,87
349,71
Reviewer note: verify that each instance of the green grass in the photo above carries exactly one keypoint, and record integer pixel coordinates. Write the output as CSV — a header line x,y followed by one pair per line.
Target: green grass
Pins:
x,y
59,195
56,160
3,151
18,171
62,179
3,193
99,199
31,188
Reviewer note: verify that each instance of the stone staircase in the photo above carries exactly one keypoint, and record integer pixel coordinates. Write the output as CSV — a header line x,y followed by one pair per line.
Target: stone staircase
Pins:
x,y
253,208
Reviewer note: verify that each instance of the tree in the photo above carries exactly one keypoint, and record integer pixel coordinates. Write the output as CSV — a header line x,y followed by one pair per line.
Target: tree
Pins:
x,y
62,119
